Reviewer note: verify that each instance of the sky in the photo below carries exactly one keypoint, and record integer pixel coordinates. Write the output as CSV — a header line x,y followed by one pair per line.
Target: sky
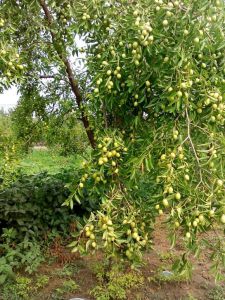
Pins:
x,y
9,99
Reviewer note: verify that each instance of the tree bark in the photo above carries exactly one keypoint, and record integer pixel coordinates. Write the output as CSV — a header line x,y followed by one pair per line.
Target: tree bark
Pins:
x,y
74,86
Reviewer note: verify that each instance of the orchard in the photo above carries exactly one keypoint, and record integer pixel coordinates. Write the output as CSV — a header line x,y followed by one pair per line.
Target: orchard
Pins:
x,y
147,80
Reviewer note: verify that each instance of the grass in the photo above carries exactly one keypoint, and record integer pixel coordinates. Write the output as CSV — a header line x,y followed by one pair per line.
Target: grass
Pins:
x,y
39,160
217,293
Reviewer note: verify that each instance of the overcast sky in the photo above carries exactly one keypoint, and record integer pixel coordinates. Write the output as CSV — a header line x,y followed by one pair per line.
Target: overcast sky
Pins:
x,y
8,99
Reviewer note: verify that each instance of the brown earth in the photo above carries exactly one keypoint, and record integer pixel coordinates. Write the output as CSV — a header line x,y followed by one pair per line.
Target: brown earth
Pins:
x,y
154,288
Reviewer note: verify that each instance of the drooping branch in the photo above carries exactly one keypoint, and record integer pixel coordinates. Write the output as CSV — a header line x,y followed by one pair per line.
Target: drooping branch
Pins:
x,y
73,83
192,146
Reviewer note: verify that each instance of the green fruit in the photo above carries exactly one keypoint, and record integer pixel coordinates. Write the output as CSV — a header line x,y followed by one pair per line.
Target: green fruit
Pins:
x,y
93,244
92,236
220,182
128,232
128,253
177,224
105,159
201,218
20,67
172,155
195,223
211,213
188,235
143,243
178,196
135,235
100,162
165,23
163,157
132,224
222,219
165,202
187,177
88,233
109,223
170,190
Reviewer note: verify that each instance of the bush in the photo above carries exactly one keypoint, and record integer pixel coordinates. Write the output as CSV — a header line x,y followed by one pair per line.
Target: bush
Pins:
x,y
26,254
30,210
33,204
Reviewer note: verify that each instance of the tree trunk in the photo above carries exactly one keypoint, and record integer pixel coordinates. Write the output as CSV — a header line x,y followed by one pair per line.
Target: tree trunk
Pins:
x,y
74,86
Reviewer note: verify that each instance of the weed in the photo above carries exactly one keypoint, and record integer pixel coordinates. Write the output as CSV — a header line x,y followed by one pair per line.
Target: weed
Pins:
x,y
217,293
166,256
117,285
41,281
68,286
190,297
18,291
67,270
168,276
25,254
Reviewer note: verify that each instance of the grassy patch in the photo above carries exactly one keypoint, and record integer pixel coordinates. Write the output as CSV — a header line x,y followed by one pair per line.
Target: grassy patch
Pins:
x,y
68,286
217,293
39,160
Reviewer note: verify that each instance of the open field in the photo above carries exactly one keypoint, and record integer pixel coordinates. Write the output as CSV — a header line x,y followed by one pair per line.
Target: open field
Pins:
x,y
39,160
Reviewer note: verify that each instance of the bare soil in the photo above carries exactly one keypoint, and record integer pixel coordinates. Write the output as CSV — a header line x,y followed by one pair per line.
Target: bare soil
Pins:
x,y
154,288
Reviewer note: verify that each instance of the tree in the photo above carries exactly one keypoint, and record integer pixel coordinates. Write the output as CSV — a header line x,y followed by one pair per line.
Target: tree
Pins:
x,y
153,106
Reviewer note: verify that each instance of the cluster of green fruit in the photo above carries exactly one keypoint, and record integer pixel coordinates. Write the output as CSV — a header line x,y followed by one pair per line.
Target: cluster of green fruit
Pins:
x,y
137,237
115,233
10,66
217,107
174,166
145,37
109,155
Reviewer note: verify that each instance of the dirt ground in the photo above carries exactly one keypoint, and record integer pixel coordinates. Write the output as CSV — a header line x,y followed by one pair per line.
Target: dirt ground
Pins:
x,y
201,287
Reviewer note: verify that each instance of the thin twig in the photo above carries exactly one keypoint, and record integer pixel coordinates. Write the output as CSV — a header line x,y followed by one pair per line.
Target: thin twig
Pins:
x,y
193,147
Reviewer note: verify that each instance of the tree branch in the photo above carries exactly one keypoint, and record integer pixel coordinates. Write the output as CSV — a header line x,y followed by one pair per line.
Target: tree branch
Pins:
x,y
46,76
193,147
74,86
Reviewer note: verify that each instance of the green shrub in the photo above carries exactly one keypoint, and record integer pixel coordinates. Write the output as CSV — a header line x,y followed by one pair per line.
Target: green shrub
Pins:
x,y
33,204
30,209
26,254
